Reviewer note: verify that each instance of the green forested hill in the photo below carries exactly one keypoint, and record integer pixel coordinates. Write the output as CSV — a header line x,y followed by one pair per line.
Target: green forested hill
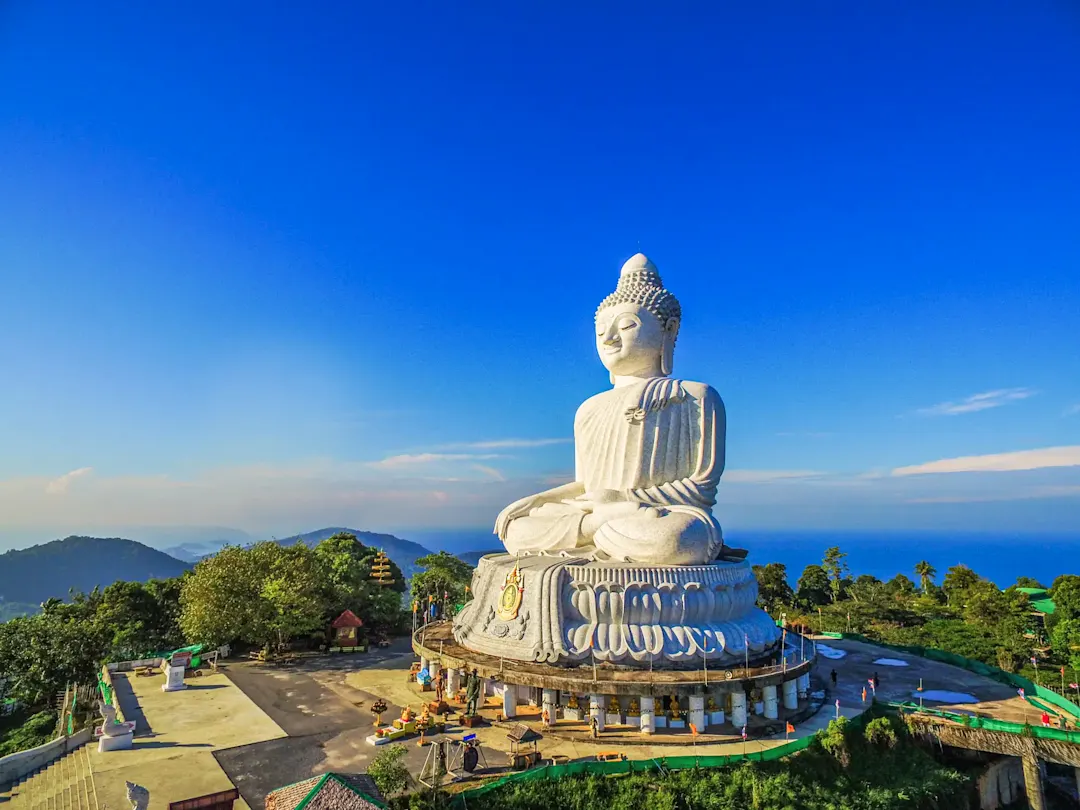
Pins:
x,y
34,574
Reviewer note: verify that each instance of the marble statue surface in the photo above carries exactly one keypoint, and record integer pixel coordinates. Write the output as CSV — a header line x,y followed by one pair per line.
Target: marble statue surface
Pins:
x,y
625,564
570,609
649,452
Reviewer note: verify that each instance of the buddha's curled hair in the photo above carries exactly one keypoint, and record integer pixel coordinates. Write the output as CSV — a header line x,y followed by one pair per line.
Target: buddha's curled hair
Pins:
x,y
641,285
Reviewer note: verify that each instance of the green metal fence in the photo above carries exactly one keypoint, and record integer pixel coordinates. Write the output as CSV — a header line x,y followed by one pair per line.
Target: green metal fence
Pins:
x,y
647,765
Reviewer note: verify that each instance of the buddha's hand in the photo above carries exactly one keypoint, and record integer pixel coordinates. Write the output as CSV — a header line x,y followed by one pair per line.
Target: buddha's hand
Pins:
x,y
515,510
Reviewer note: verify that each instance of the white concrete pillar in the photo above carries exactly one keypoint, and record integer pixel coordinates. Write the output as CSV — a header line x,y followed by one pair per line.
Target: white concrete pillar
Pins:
x,y
772,704
697,712
648,715
804,685
509,700
453,682
791,696
489,687
433,669
738,709
424,663
597,710
549,705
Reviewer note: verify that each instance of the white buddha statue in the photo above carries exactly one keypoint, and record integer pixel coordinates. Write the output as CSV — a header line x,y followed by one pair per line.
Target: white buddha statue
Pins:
x,y
649,452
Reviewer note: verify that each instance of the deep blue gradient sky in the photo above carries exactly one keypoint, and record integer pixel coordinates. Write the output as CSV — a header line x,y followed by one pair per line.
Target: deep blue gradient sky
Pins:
x,y
251,254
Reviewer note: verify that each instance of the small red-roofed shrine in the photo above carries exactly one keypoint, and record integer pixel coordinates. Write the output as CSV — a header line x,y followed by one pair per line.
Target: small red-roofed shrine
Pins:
x,y
345,627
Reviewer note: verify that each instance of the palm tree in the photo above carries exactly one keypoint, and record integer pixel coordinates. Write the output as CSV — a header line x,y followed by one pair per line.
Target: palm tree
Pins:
x,y
926,573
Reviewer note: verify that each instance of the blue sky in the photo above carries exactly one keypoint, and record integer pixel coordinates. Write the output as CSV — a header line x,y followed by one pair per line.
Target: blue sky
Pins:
x,y
276,268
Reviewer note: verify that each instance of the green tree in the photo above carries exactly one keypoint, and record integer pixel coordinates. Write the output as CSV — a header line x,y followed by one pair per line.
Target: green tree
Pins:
x,y
812,589
774,593
389,770
834,565
866,588
1028,582
984,604
443,574
1065,641
900,587
291,590
958,580
139,618
345,564
926,573
263,595
1066,595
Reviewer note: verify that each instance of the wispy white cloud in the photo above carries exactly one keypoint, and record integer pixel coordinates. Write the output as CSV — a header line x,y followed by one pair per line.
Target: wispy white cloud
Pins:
x,y
58,486
1072,410
503,444
1025,494
978,402
768,476
489,471
411,459
1068,456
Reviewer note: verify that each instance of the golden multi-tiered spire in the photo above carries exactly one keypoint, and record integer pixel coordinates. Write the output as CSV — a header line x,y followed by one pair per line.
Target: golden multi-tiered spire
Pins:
x,y
380,570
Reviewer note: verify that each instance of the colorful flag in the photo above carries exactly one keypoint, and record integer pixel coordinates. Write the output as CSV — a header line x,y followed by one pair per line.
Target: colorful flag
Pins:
x,y
1020,692
1074,686
744,732
693,730
1034,663
790,728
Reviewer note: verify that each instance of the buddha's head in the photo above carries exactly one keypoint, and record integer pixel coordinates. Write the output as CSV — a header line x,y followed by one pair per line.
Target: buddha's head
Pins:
x,y
636,325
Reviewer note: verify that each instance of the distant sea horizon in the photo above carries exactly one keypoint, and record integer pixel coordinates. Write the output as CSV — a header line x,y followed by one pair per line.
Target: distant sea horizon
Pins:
x,y
999,557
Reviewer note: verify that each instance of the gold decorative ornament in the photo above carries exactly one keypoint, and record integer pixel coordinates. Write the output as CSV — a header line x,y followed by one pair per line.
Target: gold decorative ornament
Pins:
x,y
510,596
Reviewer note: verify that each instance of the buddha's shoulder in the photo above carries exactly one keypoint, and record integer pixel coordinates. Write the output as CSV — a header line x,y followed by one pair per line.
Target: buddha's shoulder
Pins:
x,y
699,390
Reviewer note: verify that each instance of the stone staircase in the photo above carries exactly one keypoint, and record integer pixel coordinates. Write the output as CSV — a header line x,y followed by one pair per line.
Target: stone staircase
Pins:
x,y
64,784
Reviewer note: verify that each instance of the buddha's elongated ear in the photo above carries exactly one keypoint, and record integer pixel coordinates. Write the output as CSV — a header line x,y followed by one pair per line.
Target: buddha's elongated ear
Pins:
x,y
667,352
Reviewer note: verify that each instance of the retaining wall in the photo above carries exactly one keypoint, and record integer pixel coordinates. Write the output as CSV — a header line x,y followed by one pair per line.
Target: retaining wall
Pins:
x,y
15,766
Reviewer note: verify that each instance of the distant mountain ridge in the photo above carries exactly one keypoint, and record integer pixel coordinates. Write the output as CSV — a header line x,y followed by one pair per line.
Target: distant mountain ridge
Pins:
x,y
33,575
473,557
404,553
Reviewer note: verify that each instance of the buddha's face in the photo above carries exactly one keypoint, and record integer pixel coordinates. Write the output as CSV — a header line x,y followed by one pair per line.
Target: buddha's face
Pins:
x,y
629,340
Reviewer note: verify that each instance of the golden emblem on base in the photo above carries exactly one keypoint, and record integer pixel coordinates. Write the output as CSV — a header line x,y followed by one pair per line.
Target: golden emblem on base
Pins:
x,y
510,596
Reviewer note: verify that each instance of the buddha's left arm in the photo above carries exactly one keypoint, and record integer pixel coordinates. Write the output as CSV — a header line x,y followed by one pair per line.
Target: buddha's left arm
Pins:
x,y
698,489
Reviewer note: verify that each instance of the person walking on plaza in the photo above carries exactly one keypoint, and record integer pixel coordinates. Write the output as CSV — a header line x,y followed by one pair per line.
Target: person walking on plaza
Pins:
x,y
864,694
833,676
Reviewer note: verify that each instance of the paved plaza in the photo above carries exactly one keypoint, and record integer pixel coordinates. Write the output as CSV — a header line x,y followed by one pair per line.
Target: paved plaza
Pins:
x,y
261,726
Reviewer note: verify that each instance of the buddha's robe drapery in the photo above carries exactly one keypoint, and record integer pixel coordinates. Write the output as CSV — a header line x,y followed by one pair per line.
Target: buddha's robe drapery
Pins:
x,y
660,443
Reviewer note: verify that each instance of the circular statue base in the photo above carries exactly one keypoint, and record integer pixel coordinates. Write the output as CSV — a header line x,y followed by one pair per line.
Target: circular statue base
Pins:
x,y
435,643
563,610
